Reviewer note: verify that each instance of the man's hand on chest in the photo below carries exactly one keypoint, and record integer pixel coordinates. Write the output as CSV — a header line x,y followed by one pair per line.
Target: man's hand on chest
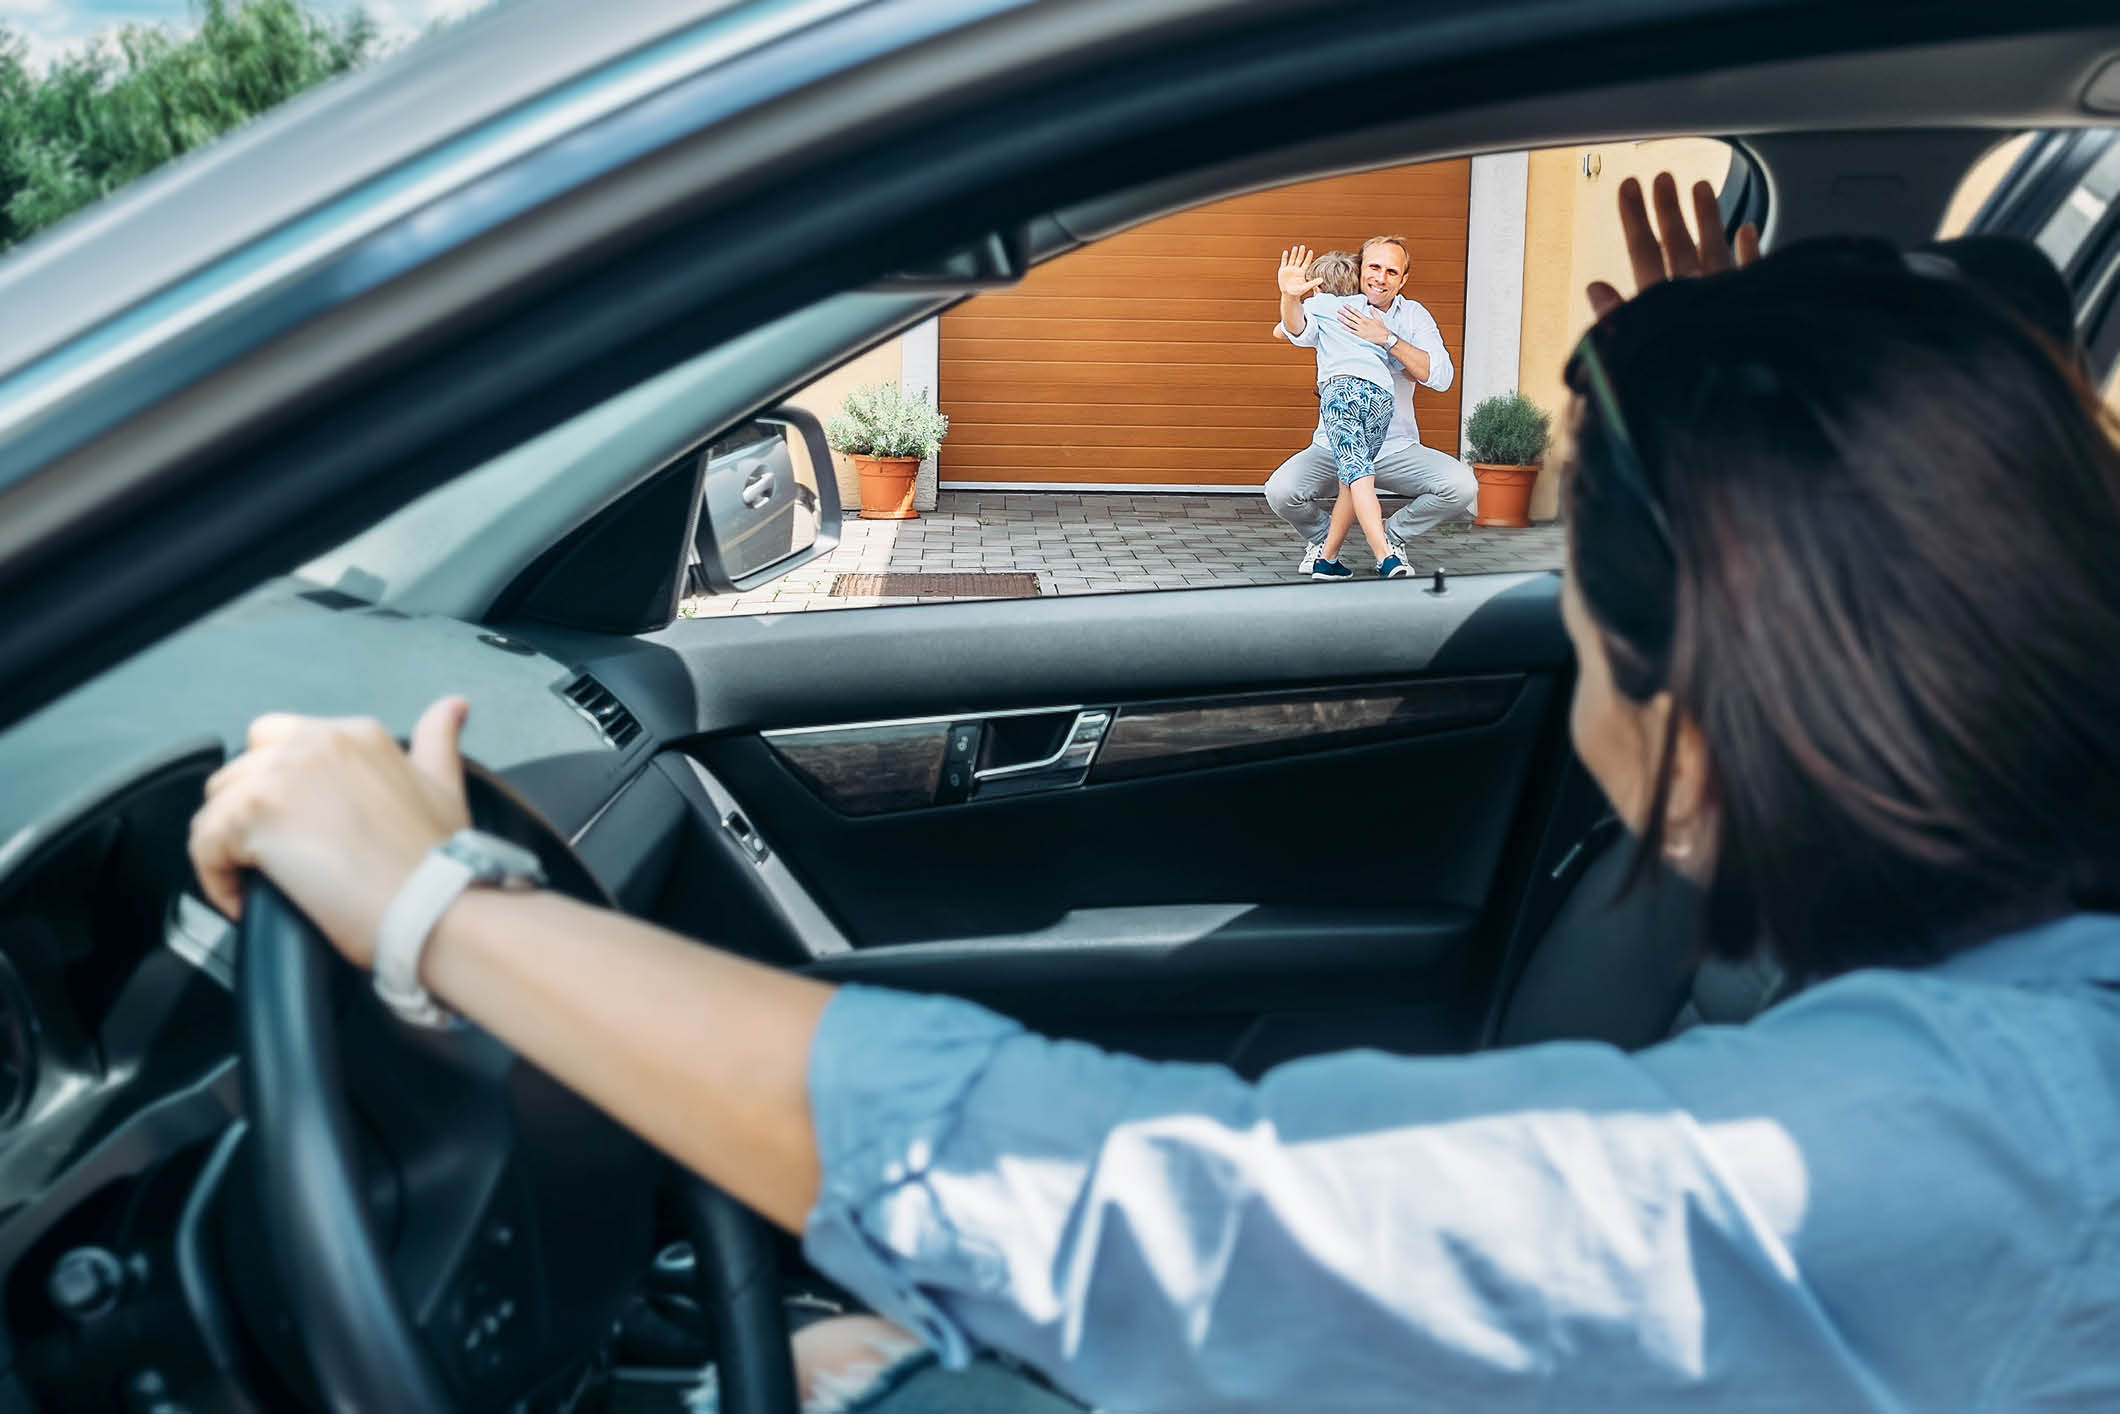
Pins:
x,y
1363,322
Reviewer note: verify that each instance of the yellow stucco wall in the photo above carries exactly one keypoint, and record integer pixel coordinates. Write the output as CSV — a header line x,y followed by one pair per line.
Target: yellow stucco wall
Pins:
x,y
821,399
1549,269
1572,237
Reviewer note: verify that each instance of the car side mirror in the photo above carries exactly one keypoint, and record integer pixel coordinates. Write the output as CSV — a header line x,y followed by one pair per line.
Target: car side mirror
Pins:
x,y
768,503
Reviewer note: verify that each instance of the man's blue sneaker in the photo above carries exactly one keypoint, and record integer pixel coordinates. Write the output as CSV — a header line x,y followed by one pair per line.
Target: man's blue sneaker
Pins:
x,y
1392,567
1330,569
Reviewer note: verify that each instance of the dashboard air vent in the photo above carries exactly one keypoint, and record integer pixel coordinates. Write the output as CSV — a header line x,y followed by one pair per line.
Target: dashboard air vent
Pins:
x,y
594,701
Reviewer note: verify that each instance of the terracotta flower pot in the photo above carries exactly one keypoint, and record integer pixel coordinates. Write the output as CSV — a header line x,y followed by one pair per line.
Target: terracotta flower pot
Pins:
x,y
887,487
1505,494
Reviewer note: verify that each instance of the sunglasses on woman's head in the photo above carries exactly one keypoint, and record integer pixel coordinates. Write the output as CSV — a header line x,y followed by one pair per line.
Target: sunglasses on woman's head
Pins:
x,y
1586,373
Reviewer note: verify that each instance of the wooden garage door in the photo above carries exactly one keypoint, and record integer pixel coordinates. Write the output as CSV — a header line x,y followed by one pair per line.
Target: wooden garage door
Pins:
x,y
1148,359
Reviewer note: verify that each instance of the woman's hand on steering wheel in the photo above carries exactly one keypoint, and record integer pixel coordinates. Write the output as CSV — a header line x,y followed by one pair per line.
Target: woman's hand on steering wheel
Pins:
x,y
335,813
1668,251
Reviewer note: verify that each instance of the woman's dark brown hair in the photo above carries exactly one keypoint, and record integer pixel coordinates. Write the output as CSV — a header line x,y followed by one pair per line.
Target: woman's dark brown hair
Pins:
x,y
1886,586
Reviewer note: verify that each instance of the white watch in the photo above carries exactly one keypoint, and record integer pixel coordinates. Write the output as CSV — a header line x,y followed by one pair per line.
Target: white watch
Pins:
x,y
467,857
1391,341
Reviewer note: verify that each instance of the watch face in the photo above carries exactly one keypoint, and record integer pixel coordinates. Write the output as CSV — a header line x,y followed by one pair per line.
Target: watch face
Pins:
x,y
492,860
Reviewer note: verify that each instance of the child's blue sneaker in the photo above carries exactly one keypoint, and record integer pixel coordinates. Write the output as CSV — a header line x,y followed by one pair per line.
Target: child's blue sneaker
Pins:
x,y
1330,569
1392,567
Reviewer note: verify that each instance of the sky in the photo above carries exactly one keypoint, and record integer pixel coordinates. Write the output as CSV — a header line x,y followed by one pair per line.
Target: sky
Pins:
x,y
59,26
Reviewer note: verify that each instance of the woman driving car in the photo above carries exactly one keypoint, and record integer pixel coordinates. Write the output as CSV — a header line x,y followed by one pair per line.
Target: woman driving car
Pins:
x,y
1840,589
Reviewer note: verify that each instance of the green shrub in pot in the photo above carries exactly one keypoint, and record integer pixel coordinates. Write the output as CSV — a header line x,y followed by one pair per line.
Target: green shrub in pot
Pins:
x,y
1507,430
884,420
1505,440
888,432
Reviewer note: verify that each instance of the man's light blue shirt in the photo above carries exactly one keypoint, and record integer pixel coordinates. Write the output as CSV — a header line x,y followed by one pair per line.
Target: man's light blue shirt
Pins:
x,y
1895,1191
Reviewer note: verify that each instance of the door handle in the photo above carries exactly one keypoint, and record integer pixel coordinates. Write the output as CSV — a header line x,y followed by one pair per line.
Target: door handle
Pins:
x,y
758,488
1067,766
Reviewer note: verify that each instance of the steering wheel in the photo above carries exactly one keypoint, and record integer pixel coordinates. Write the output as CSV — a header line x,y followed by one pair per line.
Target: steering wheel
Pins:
x,y
464,1235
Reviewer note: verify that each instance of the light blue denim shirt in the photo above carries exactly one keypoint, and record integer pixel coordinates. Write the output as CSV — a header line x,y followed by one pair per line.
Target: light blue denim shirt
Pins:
x,y
1412,322
1341,351
1896,1191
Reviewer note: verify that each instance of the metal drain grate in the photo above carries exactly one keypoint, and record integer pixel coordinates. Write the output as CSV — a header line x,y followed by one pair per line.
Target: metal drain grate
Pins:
x,y
961,586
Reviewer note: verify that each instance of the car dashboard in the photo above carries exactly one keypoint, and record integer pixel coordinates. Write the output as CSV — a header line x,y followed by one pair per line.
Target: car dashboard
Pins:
x,y
123,1234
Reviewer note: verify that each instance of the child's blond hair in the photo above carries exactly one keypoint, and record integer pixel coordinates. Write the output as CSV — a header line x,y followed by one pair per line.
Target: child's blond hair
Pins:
x,y
1337,270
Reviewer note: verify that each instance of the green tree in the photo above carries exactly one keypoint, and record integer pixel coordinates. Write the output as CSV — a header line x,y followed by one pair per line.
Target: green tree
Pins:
x,y
96,120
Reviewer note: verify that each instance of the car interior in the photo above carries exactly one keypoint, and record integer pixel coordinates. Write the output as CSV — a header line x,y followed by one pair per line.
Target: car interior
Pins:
x,y
1229,825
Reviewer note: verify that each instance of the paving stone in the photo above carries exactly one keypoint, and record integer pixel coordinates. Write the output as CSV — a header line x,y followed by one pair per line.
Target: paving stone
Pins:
x,y
1102,542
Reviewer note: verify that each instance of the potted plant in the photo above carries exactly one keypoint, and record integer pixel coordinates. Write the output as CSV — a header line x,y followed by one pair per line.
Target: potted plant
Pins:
x,y
889,433
1506,440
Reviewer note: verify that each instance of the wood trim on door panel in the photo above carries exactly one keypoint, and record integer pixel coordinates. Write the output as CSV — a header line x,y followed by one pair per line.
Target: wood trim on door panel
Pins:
x,y
1163,738
877,768
868,769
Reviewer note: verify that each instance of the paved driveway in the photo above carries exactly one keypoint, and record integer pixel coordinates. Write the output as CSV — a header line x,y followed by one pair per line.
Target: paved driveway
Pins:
x,y
1100,543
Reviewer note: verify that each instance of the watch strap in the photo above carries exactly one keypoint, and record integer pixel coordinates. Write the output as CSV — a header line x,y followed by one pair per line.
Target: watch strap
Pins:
x,y
402,936
465,858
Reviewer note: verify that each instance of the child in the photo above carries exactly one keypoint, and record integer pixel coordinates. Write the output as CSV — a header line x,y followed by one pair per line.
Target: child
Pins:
x,y
1356,399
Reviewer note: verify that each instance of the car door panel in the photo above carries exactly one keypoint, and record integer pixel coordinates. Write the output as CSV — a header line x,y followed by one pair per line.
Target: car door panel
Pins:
x,y
1304,822
1417,816
1245,984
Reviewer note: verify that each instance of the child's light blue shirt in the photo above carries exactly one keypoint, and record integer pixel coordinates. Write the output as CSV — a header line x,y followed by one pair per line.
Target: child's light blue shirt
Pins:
x,y
1340,349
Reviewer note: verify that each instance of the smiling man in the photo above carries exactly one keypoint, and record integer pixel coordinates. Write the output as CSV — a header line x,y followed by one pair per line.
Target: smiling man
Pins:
x,y
1437,487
